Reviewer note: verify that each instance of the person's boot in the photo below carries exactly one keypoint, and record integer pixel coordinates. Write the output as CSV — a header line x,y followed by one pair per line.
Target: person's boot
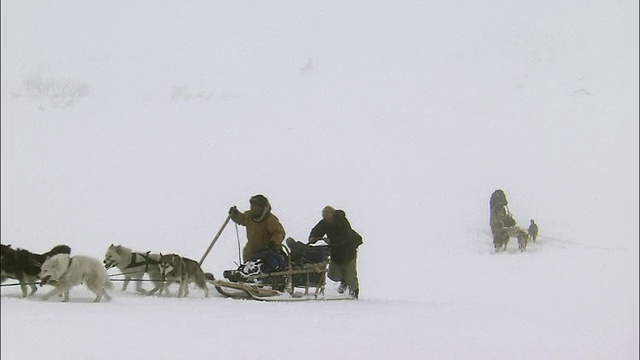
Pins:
x,y
342,287
354,292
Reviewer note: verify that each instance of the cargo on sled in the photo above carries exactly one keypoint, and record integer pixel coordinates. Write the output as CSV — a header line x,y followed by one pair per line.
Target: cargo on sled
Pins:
x,y
296,272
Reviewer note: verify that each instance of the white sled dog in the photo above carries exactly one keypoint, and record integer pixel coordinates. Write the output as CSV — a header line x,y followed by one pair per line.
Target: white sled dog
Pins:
x,y
134,265
70,271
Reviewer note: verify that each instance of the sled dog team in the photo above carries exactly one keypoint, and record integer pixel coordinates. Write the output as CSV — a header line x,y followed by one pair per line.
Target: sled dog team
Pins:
x,y
265,233
61,270
502,234
161,269
503,225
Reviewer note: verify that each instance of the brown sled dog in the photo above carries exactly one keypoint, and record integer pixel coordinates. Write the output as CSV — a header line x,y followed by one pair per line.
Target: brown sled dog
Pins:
x,y
523,239
500,237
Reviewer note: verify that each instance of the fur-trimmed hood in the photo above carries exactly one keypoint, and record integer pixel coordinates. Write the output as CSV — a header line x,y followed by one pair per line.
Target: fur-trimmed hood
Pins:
x,y
263,202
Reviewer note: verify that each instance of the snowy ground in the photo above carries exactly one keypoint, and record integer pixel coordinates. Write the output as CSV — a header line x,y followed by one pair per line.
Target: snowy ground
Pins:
x,y
142,124
559,299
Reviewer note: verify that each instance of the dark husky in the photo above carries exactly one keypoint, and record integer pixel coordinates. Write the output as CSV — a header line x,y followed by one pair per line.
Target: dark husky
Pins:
x,y
500,236
533,230
24,266
175,268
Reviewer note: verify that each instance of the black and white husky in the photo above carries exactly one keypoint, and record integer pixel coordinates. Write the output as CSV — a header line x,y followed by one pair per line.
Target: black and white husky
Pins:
x,y
24,266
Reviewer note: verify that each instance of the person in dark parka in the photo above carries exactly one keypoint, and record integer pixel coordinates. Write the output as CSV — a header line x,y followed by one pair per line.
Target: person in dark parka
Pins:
x,y
336,231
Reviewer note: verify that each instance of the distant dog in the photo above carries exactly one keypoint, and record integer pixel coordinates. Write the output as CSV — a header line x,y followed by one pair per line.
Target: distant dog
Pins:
x,y
24,266
71,271
134,265
500,239
523,239
500,236
533,230
182,270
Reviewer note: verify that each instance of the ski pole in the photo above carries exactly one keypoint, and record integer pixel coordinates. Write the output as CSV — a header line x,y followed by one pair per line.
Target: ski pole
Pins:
x,y
238,237
215,239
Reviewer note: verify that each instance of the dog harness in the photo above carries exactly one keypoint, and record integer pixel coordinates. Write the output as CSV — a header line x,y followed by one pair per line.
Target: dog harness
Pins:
x,y
146,261
68,266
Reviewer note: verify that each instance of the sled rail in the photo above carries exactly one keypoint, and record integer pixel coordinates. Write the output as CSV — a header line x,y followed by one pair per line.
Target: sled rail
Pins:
x,y
310,269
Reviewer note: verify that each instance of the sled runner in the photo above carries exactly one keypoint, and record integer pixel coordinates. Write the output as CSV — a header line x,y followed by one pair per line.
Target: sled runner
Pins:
x,y
255,292
295,274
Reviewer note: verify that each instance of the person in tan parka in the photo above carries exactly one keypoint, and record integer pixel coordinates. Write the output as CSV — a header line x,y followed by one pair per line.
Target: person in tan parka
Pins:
x,y
264,230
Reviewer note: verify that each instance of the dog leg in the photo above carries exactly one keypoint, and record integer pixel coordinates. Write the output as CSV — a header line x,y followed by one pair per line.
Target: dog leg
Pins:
x,y
33,289
106,294
97,288
201,282
57,291
164,287
23,287
156,286
139,288
184,284
126,282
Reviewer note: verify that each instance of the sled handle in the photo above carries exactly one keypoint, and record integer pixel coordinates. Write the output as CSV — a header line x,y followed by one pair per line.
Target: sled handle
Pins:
x,y
215,239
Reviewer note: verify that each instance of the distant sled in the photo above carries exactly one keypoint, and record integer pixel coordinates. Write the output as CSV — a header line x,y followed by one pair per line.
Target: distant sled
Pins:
x,y
503,225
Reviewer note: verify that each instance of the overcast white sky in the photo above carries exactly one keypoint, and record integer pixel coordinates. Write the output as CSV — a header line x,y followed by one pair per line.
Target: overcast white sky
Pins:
x,y
143,122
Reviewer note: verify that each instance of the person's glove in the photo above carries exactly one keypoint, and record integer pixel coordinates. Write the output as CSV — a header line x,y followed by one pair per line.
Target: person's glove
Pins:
x,y
233,211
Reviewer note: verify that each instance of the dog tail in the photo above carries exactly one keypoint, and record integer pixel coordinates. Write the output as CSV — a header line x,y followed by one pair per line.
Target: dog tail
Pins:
x,y
209,276
200,279
58,249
